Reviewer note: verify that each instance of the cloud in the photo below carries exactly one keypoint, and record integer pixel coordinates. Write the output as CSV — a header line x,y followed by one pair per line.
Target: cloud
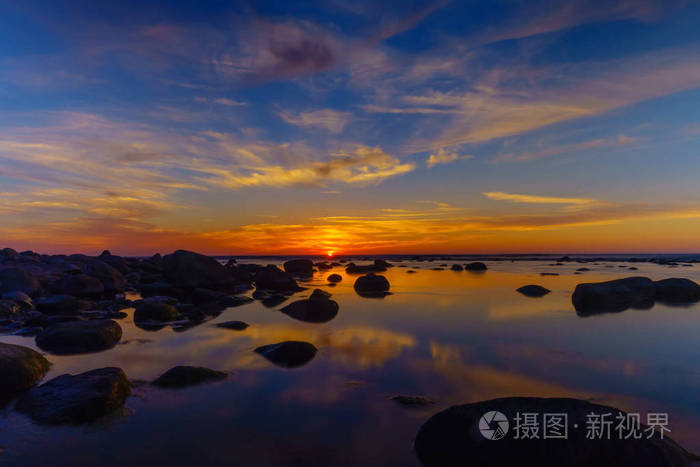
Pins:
x,y
516,198
332,120
442,157
558,149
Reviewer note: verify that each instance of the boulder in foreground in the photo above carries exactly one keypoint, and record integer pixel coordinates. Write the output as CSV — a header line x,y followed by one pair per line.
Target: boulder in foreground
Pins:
x,y
461,436
533,290
273,278
288,354
182,376
192,270
299,267
616,295
82,398
76,337
20,368
318,308
677,291
372,285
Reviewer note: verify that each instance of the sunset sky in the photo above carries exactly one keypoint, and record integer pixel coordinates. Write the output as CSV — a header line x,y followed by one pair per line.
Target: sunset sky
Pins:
x,y
307,127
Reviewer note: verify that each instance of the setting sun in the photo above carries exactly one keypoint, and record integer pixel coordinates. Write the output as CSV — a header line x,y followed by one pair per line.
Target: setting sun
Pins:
x,y
330,253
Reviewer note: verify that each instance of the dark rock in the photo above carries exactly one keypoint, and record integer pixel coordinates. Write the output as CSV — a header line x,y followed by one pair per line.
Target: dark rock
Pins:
x,y
159,289
288,354
318,308
8,254
677,291
353,268
372,285
412,401
117,262
192,270
22,299
411,271
334,278
583,269
13,279
476,266
300,267
82,398
231,301
533,290
200,296
616,295
155,311
273,278
274,300
382,263
112,280
454,437
8,308
457,267
181,376
549,274
57,304
233,325
80,336
20,369
78,285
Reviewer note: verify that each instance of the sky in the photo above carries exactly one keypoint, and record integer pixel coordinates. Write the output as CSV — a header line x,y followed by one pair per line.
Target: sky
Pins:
x,y
277,127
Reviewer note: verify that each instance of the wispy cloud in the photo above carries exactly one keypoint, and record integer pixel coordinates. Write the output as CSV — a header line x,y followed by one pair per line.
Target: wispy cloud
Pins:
x,y
443,157
518,198
332,120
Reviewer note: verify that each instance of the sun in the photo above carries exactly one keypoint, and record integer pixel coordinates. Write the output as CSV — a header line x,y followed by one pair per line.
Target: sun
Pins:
x,y
330,253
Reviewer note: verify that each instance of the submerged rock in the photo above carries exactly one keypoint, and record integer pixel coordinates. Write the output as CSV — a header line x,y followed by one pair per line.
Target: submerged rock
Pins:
x,y
334,278
233,325
533,290
82,398
457,267
80,336
476,266
615,295
181,376
372,285
300,267
677,291
288,354
192,270
318,308
157,311
469,435
20,369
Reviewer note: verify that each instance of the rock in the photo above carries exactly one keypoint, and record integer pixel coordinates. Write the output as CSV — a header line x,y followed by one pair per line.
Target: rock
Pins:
x,y
288,354
8,254
549,274
16,279
233,325
457,267
201,295
159,288
300,267
155,311
583,269
57,304
411,271
353,268
231,301
334,278
271,301
80,336
22,299
181,376
318,308
533,290
382,263
192,270
372,285
20,369
677,291
476,266
8,308
616,295
273,278
112,280
117,262
78,285
412,401
454,437
82,398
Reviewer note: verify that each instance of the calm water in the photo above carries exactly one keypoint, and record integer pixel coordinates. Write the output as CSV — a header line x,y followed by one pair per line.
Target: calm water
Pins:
x,y
454,337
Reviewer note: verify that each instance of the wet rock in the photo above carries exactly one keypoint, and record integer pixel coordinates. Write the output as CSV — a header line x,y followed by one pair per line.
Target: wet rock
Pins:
x,y
353,268
457,267
288,354
382,263
78,285
155,311
82,398
112,280
318,308
192,270
412,401
182,376
16,279
273,278
461,436
200,296
616,295
533,290
273,300
22,299
322,266
8,309
159,288
20,369
549,274
372,285
57,304
677,291
233,325
334,278
231,301
117,262
80,336
476,266
411,271
300,267
583,269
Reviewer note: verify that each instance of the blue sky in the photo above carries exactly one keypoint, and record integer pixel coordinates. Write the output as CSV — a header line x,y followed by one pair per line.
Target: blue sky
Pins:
x,y
244,127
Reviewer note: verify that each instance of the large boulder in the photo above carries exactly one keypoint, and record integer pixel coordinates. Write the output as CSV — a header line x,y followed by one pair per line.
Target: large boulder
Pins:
x,y
182,376
533,290
299,267
8,254
483,434
82,398
615,295
288,354
372,285
20,369
192,270
76,337
78,285
12,279
273,278
57,304
112,280
155,311
677,291
318,308
117,262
